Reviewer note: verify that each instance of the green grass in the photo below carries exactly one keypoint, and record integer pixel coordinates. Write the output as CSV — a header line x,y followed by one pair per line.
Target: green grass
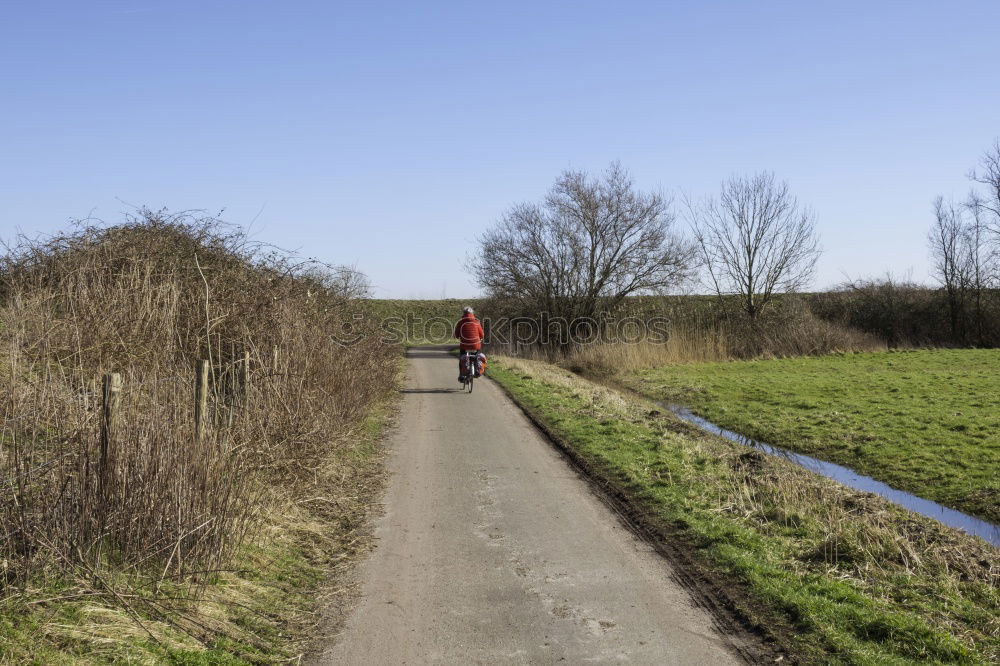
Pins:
x,y
924,421
834,575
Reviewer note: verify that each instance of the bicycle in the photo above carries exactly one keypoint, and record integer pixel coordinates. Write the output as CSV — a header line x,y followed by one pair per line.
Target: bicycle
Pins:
x,y
470,365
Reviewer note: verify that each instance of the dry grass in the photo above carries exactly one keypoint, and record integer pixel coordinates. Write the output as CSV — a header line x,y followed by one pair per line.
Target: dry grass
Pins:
x,y
147,299
683,346
795,333
697,329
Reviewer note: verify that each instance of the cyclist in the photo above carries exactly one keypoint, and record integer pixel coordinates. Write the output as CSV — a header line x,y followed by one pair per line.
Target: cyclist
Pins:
x,y
470,335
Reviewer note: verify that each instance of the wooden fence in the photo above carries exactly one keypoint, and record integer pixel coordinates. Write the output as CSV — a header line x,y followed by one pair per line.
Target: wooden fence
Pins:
x,y
112,386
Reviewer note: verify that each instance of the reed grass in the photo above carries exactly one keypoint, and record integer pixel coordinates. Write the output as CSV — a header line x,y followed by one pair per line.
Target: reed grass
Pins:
x,y
795,333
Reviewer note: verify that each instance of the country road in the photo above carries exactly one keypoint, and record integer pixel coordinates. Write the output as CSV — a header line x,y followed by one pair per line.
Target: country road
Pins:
x,y
493,550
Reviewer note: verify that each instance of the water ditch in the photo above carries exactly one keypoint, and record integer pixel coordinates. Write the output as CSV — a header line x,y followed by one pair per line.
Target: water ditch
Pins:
x,y
925,507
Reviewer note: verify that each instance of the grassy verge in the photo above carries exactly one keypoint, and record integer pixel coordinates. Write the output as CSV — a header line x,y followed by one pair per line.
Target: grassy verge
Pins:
x,y
925,421
261,610
838,576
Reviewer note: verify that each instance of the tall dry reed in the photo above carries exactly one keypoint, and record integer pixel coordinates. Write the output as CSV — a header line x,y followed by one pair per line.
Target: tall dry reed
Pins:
x,y
698,329
793,332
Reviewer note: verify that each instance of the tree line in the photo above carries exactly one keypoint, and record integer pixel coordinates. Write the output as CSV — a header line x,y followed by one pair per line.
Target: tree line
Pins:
x,y
965,246
595,240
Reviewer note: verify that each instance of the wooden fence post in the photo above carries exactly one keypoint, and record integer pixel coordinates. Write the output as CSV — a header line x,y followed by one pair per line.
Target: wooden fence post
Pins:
x,y
200,400
111,399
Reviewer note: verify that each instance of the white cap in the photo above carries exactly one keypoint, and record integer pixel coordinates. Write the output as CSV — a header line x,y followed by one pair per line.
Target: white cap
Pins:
x,y
467,310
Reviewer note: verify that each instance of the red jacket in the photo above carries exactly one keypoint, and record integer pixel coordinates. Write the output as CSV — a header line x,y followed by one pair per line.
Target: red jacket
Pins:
x,y
470,332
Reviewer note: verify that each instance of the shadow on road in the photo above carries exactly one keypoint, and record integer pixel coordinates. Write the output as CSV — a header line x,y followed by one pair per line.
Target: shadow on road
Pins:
x,y
438,351
433,390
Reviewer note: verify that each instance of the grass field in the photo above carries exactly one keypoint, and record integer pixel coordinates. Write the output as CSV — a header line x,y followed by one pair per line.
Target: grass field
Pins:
x,y
925,421
836,575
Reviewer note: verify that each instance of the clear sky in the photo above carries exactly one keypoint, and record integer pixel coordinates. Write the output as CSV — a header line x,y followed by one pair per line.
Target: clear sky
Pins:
x,y
387,135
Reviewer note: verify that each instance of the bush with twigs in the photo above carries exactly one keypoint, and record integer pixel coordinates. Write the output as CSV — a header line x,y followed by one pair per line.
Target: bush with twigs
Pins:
x,y
143,498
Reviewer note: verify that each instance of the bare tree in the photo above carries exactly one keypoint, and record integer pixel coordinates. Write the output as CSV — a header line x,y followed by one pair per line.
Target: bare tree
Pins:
x,y
988,174
592,242
344,282
985,211
755,240
947,244
965,248
964,262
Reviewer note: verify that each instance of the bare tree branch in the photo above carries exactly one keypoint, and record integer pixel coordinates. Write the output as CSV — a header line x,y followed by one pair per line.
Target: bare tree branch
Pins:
x,y
590,243
964,262
754,240
989,175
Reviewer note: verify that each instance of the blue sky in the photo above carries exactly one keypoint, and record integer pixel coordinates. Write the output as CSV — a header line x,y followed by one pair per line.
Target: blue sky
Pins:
x,y
388,135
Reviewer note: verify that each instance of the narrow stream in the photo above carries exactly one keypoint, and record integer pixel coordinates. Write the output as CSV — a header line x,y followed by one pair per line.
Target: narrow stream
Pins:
x,y
970,524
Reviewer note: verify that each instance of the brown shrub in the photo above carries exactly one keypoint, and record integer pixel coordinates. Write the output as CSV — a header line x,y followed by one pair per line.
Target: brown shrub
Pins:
x,y
147,299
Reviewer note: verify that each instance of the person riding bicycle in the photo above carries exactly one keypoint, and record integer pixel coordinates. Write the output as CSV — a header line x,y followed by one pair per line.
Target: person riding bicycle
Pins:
x,y
470,335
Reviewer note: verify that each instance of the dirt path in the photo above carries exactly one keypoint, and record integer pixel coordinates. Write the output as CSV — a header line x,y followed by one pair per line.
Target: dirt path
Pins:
x,y
493,550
